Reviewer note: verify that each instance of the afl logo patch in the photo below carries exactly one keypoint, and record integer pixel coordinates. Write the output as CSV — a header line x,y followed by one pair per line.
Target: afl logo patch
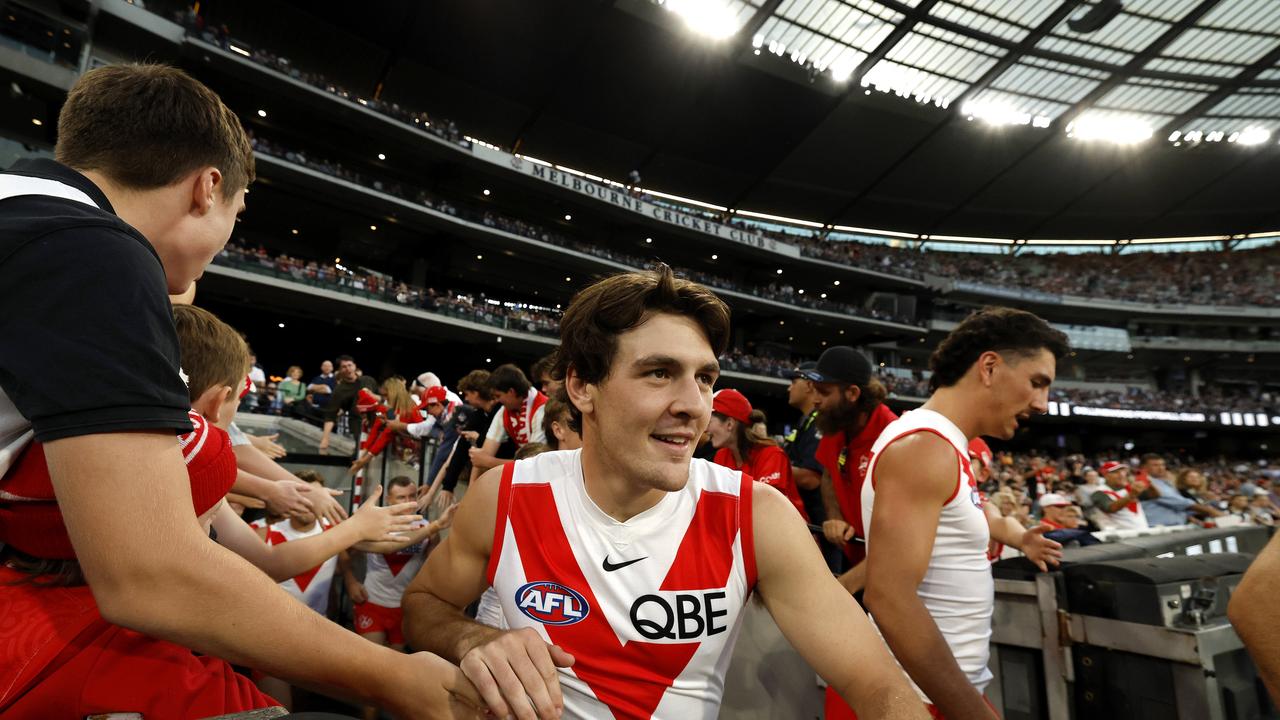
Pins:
x,y
551,603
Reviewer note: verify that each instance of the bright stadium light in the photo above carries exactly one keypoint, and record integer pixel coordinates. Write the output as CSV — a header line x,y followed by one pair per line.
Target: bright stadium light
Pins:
x,y
996,113
713,19
842,69
1253,136
1118,129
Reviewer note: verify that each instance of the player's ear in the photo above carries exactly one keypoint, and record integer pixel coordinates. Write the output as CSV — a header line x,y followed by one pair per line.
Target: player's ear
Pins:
x,y
987,363
579,391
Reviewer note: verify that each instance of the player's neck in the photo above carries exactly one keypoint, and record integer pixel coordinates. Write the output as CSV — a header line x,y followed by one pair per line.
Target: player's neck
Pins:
x,y
953,404
611,490
301,527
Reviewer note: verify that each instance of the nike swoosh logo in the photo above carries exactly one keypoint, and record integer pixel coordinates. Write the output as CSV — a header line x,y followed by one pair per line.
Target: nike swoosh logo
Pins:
x,y
610,567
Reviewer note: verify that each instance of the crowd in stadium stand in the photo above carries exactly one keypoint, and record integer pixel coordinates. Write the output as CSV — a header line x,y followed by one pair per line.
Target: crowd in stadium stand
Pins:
x,y
1212,492
774,291
1214,398
1201,278
510,315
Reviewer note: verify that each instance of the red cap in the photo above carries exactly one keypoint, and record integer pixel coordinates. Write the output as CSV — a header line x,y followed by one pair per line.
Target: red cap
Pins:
x,y
978,448
434,394
1110,467
248,385
731,403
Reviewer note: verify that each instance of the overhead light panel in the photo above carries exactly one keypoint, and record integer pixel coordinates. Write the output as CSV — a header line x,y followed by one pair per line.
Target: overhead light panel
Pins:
x,y
1113,128
1253,136
712,19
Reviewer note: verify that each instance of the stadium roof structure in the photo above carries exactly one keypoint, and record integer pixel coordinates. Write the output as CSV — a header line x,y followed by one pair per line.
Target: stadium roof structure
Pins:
x,y
976,118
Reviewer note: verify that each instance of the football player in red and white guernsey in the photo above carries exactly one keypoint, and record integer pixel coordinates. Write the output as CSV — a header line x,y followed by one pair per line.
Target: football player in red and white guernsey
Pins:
x,y
623,568
929,586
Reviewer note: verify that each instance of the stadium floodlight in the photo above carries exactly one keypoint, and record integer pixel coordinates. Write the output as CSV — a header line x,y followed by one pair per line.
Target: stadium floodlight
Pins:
x,y
842,69
713,19
1253,135
1114,128
996,113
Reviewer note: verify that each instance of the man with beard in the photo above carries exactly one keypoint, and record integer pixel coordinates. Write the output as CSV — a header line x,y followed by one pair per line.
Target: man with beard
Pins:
x,y
851,414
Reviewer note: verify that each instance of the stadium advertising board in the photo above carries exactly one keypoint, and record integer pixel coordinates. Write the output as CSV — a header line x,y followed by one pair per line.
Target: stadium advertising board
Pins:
x,y
619,197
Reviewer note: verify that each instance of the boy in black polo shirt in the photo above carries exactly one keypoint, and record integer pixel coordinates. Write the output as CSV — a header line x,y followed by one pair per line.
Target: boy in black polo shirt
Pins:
x,y
151,172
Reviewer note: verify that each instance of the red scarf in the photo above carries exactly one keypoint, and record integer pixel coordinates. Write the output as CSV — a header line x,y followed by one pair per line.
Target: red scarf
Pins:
x,y
1133,502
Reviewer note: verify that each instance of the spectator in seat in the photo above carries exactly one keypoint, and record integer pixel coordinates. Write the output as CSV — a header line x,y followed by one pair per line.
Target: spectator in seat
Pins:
x,y
1093,482
739,446
542,376
253,402
322,385
1065,518
519,419
291,390
1163,504
1192,486
349,382
560,433
1117,507
474,421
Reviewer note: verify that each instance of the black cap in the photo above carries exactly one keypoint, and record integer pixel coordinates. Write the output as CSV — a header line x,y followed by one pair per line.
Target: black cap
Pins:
x,y
841,364
803,369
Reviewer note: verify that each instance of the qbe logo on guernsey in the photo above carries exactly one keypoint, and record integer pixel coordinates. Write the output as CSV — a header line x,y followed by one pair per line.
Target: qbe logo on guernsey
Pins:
x,y
551,603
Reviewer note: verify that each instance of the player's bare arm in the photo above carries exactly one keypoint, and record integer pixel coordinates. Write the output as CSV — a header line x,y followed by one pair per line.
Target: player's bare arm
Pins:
x,y
1030,541
1252,612
509,668
915,477
820,619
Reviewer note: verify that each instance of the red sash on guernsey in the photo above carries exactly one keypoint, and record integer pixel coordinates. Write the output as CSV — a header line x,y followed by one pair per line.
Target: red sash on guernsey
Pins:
x,y
517,426
627,668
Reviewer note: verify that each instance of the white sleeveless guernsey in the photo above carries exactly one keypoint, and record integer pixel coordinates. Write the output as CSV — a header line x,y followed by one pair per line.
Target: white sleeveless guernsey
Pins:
x,y
312,586
957,589
650,607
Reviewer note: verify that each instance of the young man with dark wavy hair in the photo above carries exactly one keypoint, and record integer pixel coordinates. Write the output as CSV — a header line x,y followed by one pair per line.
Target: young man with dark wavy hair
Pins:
x,y
929,585
623,568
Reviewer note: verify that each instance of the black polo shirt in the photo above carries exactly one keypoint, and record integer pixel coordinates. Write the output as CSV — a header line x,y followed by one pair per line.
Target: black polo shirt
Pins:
x,y
87,342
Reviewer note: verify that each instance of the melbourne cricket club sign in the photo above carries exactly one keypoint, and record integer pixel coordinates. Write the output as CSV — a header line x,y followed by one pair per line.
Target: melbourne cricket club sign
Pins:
x,y
619,197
